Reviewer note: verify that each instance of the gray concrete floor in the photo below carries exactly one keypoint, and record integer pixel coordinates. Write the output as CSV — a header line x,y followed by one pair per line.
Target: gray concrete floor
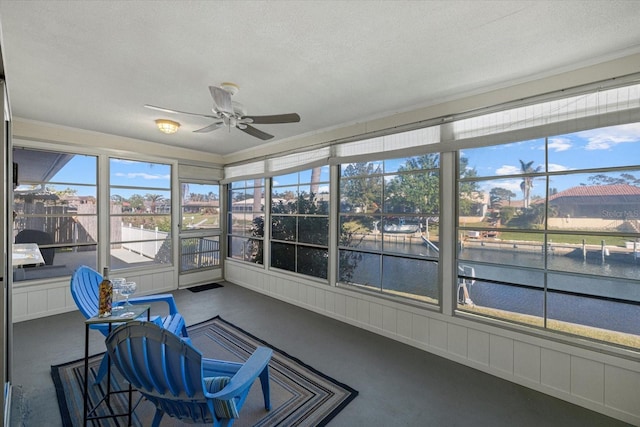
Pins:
x,y
398,384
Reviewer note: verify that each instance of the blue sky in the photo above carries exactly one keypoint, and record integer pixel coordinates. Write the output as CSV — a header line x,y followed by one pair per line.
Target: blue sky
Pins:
x,y
147,177
603,147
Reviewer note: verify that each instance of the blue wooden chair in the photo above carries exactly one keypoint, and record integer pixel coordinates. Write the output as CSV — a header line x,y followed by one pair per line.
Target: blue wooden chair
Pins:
x,y
173,375
84,289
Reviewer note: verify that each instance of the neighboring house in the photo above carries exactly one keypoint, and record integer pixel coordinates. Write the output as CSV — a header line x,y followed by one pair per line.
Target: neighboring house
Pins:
x,y
609,202
195,207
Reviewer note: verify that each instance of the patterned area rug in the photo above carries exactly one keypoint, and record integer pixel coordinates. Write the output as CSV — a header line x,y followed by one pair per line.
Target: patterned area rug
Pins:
x,y
300,395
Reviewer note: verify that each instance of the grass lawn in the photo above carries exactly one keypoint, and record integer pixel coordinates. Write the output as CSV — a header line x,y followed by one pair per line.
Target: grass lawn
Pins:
x,y
620,338
510,234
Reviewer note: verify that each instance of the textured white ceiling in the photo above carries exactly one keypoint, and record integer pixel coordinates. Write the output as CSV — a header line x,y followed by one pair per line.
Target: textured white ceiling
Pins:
x,y
94,64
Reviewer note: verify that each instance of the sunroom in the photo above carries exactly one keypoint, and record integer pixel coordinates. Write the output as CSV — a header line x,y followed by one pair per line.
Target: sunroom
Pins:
x,y
498,231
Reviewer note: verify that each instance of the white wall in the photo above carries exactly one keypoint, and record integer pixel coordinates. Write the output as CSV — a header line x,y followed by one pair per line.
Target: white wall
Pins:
x,y
46,298
601,382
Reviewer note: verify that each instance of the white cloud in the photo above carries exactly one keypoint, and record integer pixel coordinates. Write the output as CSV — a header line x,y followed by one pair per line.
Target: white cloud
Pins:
x,y
508,170
559,144
557,168
507,184
607,138
141,175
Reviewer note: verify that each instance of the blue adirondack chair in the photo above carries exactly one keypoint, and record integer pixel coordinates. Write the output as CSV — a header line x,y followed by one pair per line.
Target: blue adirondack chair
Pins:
x,y
84,289
172,374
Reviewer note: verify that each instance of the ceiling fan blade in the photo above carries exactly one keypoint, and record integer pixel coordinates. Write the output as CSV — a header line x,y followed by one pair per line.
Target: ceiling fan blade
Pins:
x,y
221,100
210,128
168,110
273,119
256,132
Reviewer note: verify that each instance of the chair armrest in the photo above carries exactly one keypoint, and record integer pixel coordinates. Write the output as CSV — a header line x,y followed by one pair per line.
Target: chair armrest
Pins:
x,y
245,376
218,368
168,298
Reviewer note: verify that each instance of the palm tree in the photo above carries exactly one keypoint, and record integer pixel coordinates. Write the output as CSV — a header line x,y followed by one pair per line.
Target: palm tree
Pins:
x,y
154,199
527,181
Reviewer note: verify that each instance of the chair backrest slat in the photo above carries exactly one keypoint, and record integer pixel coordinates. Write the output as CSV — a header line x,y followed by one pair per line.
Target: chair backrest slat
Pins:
x,y
155,379
131,356
166,363
186,380
119,359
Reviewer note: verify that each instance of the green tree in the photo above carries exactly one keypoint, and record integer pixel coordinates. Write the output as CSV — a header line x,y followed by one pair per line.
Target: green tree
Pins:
x,y
469,190
137,202
361,186
153,199
624,178
417,192
498,195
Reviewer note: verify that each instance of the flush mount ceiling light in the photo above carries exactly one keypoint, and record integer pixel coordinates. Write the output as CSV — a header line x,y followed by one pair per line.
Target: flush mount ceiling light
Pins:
x,y
167,126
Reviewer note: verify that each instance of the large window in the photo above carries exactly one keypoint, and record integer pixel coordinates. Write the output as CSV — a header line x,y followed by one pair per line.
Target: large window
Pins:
x,y
200,226
55,207
389,226
140,225
549,233
245,220
300,222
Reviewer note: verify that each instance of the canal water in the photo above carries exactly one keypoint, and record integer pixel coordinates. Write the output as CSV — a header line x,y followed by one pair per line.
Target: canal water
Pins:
x,y
569,297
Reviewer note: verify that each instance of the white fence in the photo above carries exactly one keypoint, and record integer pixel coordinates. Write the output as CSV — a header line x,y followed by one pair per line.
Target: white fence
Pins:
x,y
144,242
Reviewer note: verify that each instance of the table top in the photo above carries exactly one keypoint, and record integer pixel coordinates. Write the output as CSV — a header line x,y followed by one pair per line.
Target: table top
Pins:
x,y
26,253
125,315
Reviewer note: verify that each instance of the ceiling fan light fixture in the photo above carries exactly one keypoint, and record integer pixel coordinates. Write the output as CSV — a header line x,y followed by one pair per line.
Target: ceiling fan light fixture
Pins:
x,y
232,88
167,126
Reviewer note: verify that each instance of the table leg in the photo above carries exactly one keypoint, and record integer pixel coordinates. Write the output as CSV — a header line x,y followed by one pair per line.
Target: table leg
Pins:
x,y
85,394
108,399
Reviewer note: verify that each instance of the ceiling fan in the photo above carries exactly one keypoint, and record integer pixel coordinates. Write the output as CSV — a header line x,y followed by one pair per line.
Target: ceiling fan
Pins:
x,y
230,113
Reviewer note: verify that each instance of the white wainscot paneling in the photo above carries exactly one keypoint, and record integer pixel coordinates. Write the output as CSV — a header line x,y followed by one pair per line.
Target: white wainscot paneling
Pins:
x,y
478,348
587,379
321,298
291,290
314,298
19,306
299,295
390,320
352,308
501,354
37,303
622,389
57,298
41,300
526,361
457,340
363,311
341,305
271,285
330,302
47,299
404,324
438,336
555,370
375,315
420,329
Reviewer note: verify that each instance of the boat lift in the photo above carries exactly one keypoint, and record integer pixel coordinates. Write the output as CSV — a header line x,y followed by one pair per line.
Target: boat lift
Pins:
x,y
464,283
